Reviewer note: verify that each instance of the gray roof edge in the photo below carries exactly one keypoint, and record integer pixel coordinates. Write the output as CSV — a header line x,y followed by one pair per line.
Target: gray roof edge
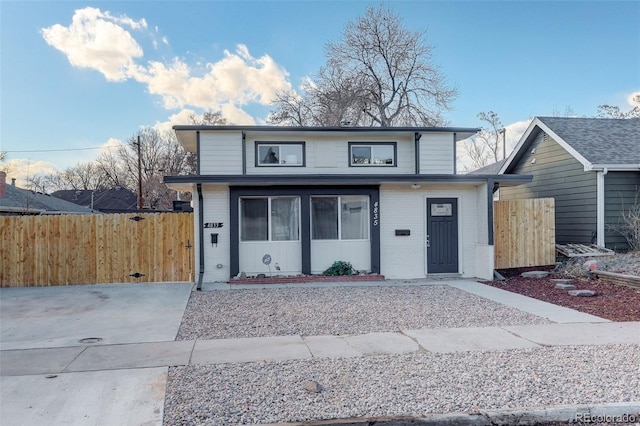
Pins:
x,y
346,180
180,127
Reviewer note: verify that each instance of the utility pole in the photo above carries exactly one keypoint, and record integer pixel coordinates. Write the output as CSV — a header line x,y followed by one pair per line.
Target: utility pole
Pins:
x,y
504,142
139,176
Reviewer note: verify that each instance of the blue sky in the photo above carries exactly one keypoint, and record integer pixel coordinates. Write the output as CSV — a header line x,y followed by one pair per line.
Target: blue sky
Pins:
x,y
151,62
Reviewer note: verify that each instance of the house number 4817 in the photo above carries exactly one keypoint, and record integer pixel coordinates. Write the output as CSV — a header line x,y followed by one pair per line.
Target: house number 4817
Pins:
x,y
375,213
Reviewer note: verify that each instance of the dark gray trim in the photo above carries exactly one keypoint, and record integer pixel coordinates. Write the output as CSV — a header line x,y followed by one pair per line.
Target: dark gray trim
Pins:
x,y
198,152
200,235
395,154
490,191
351,179
304,153
302,129
455,154
416,140
244,153
305,194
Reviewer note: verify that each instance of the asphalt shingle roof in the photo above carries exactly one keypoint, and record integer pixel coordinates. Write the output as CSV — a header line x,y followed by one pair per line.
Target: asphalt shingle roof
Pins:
x,y
600,140
17,199
114,199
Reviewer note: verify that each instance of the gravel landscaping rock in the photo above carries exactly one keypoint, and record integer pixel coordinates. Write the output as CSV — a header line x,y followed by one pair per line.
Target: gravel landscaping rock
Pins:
x,y
411,384
311,311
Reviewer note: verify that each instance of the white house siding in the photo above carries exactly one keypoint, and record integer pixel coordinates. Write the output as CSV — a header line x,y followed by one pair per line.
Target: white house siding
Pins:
x,y
325,252
216,210
286,254
220,153
437,153
404,208
330,155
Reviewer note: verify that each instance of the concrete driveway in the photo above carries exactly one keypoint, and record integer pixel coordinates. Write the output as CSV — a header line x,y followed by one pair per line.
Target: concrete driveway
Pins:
x,y
33,320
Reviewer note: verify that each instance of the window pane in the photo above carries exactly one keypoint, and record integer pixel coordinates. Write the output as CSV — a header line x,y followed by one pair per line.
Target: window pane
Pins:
x,y
291,154
355,218
382,154
268,154
253,219
285,222
324,218
360,155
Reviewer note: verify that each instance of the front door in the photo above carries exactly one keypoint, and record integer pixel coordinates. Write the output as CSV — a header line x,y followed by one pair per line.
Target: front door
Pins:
x,y
442,235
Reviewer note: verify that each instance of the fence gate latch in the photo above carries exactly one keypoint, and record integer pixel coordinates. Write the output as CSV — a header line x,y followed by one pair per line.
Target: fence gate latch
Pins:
x,y
137,218
136,275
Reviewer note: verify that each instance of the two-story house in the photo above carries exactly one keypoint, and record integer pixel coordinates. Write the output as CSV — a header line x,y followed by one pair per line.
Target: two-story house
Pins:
x,y
388,200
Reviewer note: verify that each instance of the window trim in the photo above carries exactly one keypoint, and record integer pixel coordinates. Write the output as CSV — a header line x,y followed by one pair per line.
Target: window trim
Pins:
x,y
269,239
257,144
372,144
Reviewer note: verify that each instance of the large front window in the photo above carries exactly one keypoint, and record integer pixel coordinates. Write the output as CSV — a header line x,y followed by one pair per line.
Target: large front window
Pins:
x,y
270,219
340,218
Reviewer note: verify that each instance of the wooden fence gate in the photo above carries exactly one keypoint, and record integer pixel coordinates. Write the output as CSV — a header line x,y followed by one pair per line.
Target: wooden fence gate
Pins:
x,y
88,249
524,233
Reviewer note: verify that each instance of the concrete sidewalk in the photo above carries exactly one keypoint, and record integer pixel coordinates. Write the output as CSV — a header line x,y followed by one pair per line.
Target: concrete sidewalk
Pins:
x,y
77,359
49,375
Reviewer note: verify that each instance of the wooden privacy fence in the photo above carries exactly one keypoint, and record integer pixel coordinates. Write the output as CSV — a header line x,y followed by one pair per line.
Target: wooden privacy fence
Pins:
x,y
524,233
87,249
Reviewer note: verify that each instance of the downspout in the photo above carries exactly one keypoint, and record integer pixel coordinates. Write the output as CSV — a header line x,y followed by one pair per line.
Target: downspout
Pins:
x,y
416,139
455,153
200,236
600,232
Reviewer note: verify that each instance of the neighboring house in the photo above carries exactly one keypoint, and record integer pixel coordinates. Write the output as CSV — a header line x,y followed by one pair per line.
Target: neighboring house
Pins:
x,y
18,201
114,200
590,166
388,200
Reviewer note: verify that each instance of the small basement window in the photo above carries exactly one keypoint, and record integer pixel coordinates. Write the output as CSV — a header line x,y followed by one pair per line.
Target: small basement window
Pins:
x,y
280,154
372,154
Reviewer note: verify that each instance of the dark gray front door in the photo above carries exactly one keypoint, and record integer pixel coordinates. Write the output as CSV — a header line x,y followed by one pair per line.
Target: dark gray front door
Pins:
x,y
442,235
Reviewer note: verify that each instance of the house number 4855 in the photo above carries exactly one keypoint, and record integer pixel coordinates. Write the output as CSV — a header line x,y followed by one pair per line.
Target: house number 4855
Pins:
x,y
375,213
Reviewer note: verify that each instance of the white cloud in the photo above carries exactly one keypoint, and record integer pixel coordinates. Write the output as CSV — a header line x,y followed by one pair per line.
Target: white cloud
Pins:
x,y
22,169
97,40
100,41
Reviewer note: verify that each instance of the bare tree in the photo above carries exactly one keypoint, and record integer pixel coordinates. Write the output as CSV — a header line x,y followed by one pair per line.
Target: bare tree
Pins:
x,y
487,146
612,111
379,73
208,118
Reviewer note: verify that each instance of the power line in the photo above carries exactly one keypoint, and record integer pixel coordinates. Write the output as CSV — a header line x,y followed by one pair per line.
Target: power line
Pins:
x,y
66,149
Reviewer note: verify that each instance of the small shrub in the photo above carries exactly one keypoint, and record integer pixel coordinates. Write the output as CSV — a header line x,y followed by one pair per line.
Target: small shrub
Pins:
x,y
339,268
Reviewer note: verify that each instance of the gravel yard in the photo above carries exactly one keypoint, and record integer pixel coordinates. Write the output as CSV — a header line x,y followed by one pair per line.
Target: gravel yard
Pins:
x,y
339,311
413,384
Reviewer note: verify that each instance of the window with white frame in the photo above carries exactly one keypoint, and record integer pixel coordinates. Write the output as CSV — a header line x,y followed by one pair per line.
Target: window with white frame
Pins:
x,y
280,154
270,219
372,154
340,218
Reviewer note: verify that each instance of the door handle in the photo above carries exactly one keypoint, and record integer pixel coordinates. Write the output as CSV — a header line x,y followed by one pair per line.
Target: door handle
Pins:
x,y
428,242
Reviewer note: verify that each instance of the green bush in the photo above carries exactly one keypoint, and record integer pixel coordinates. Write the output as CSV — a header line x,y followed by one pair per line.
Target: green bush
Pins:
x,y
339,268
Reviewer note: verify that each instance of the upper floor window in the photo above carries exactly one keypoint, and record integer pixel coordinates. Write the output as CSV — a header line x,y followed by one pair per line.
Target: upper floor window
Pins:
x,y
280,154
372,154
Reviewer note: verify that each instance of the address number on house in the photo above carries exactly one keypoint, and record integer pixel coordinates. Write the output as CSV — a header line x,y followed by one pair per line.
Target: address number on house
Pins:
x,y
376,214
214,224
